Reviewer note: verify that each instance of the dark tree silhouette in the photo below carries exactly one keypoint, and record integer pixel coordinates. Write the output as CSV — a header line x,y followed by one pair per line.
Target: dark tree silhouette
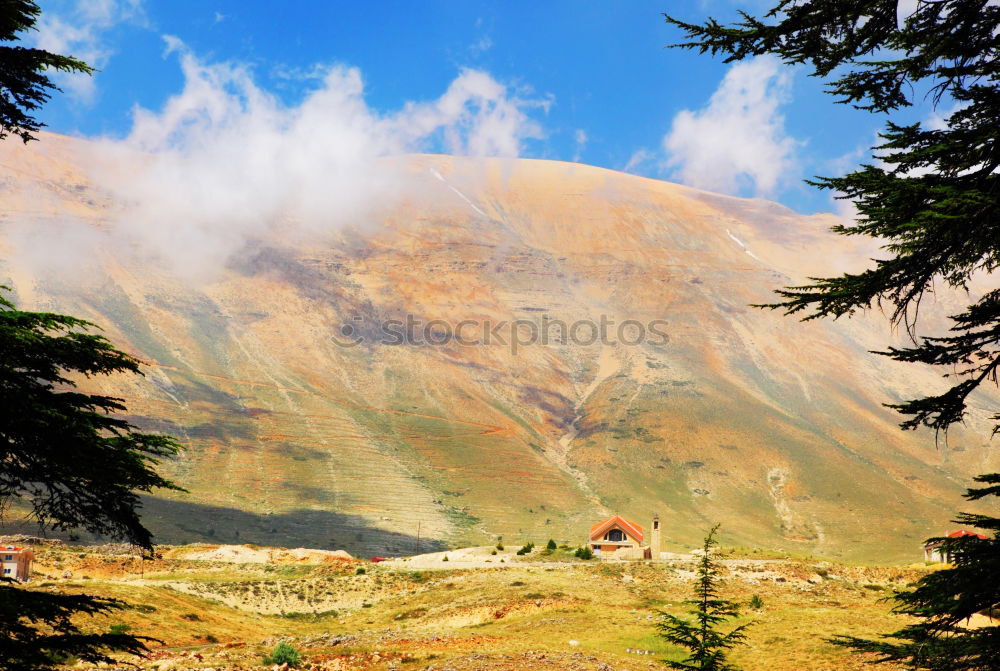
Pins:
x,y
24,82
944,601
935,202
75,465
935,198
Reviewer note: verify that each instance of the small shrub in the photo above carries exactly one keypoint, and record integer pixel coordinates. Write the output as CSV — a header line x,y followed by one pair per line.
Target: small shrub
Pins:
x,y
500,546
756,603
284,653
410,614
494,553
309,617
584,553
445,558
64,658
551,545
191,617
360,571
526,548
119,629
211,639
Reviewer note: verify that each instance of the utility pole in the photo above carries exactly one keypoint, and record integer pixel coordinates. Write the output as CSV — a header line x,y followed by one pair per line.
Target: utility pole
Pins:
x,y
418,536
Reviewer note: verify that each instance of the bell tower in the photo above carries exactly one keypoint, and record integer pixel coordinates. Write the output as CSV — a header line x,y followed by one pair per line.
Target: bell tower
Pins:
x,y
654,537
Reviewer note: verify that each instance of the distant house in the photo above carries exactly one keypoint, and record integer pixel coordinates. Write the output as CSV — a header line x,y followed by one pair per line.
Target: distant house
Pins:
x,y
15,563
619,538
932,550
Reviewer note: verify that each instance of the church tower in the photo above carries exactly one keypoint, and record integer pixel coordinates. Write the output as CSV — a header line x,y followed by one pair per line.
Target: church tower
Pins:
x,y
654,538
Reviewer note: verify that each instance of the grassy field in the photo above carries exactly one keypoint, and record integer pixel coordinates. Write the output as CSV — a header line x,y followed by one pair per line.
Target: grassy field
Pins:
x,y
529,612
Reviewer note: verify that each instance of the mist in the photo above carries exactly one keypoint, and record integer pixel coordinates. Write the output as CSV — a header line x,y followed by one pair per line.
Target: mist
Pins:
x,y
225,162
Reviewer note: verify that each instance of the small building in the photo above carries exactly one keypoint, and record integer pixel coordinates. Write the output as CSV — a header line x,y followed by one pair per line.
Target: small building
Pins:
x,y
619,538
15,562
933,552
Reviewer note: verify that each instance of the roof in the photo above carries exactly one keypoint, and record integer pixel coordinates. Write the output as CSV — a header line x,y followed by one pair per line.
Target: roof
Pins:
x,y
936,542
631,528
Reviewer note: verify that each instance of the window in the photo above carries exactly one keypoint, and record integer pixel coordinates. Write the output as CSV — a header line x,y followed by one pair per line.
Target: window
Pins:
x,y
615,535
8,557
6,571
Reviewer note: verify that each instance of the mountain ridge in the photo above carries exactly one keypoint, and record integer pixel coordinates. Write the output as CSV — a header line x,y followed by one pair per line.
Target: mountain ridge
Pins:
x,y
769,425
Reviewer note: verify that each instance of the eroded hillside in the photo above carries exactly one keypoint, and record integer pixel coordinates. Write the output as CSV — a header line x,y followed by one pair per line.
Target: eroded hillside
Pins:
x,y
737,415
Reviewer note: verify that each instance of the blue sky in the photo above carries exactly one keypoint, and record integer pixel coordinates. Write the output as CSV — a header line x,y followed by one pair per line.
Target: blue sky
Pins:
x,y
573,81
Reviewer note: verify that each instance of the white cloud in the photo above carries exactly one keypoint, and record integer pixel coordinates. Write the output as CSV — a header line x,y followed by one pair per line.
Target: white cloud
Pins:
x,y
904,9
483,42
838,166
580,139
737,142
937,118
81,32
475,117
482,45
226,162
638,158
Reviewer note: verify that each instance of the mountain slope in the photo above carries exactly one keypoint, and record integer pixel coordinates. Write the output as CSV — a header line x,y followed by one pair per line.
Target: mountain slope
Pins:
x,y
738,415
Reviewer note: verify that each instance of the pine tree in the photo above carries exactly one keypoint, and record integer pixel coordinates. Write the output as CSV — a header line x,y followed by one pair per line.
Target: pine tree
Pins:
x,y
934,201
75,465
64,453
24,84
707,645
943,602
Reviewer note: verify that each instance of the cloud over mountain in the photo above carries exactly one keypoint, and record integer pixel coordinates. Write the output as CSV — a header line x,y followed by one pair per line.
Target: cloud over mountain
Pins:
x,y
225,160
737,142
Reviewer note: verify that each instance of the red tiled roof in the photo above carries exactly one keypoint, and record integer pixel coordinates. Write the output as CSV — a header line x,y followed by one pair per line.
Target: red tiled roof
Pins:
x,y
631,528
955,534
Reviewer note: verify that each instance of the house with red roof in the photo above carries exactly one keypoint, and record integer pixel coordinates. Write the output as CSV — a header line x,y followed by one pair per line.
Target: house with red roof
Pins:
x,y
933,552
15,562
619,538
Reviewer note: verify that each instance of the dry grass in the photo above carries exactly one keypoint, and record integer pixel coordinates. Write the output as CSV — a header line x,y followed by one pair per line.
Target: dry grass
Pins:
x,y
577,614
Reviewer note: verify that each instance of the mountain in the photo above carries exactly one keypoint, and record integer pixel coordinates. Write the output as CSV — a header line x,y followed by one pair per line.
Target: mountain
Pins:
x,y
722,412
